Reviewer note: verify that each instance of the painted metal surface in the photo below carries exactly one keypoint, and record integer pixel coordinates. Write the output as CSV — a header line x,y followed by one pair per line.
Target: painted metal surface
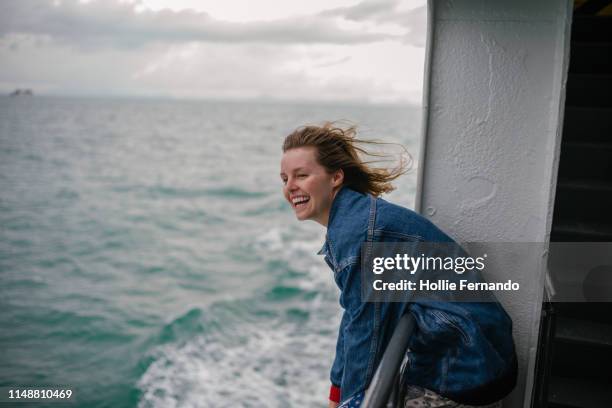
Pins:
x,y
496,73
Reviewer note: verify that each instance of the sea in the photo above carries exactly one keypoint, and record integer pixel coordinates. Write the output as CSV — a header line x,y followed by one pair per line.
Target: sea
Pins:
x,y
148,257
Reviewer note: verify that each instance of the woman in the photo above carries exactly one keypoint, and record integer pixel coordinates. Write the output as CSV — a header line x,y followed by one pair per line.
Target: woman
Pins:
x,y
460,352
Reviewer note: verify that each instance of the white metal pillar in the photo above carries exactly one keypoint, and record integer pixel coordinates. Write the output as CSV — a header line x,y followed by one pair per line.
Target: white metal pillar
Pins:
x,y
493,103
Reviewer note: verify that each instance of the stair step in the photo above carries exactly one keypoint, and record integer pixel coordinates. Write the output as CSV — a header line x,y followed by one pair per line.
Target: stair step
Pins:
x,y
591,58
575,393
580,360
586,160
577,231
587,124
583,331
592,28
589,90
585,185
592,311
582,200
589,145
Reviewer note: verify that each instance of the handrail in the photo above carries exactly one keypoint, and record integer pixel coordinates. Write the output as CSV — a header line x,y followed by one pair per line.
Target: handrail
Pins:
x,y
426,111
380,388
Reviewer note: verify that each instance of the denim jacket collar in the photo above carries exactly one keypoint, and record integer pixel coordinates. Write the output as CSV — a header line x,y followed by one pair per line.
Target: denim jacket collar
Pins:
x,y
323,250
342,202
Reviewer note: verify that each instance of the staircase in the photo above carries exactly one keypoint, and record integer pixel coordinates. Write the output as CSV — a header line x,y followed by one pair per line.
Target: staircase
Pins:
x,y
574,364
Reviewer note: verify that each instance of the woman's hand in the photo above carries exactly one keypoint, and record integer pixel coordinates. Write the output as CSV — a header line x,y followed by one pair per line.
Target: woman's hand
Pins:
x,y
332,404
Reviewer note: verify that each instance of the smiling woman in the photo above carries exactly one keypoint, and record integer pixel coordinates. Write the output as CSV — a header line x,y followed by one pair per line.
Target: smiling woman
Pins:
x,y
309,154
460,353
308,186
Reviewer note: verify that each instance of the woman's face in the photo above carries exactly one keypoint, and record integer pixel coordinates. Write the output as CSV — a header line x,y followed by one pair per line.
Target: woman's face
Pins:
x,y
307,186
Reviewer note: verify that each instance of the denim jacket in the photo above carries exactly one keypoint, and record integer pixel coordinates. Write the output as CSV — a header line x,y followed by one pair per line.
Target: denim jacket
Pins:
x,y
463,351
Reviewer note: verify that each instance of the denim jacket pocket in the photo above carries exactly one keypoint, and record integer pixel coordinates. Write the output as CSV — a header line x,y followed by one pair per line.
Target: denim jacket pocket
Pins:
x,y
442,318
383,235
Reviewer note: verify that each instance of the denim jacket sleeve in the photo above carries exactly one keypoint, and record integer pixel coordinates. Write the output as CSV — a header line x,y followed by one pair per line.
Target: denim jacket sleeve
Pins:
x,y
338,366
357,340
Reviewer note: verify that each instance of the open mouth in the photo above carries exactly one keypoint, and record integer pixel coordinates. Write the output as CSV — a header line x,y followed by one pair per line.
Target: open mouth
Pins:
x,y
300,201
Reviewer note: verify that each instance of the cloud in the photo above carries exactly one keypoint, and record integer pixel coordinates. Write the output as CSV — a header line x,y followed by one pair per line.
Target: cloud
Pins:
x,y
366,10
119,24
115,48
334,62
398,12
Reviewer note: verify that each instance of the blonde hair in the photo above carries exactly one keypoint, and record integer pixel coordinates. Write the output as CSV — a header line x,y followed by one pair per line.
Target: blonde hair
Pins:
x,y
338,148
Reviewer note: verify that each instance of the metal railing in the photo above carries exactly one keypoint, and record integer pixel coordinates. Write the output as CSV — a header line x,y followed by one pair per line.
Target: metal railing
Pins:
x,y
378,393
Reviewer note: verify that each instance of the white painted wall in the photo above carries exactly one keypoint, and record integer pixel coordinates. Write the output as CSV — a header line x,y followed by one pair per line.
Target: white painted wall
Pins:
x,y
492,133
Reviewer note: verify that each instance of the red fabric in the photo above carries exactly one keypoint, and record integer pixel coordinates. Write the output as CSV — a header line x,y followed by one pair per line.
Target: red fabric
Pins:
x,y
334,393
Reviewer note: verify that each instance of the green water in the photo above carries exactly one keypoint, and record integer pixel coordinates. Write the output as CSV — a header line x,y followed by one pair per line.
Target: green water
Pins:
x,y
147,258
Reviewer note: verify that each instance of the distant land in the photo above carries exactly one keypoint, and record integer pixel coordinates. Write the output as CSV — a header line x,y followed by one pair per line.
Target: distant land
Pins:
x,y
19,92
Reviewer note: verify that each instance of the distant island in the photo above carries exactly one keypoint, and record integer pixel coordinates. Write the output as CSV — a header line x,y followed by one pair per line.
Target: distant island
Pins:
x,y
19,92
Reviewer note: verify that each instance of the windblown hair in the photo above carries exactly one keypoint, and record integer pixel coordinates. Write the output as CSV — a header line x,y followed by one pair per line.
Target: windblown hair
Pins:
x,y
338,148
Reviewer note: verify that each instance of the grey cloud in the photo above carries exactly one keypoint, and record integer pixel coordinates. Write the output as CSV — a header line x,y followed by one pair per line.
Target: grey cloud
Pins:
x,y
337,61
213,70
387,11
114,24
366,10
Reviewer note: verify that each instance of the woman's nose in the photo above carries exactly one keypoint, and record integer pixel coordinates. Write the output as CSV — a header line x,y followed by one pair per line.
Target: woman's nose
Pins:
x,y
291,184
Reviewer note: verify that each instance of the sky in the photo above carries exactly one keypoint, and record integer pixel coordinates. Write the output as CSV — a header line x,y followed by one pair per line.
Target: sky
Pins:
x,y
317,50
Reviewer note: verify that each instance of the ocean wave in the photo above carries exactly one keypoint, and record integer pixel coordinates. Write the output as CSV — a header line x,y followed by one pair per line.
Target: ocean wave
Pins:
x,y
169,192
276,205
279,293
235,192
185,326
273,349
271,363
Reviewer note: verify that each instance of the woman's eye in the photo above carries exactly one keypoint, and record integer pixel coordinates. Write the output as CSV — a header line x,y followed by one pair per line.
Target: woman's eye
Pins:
x,y
302,175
